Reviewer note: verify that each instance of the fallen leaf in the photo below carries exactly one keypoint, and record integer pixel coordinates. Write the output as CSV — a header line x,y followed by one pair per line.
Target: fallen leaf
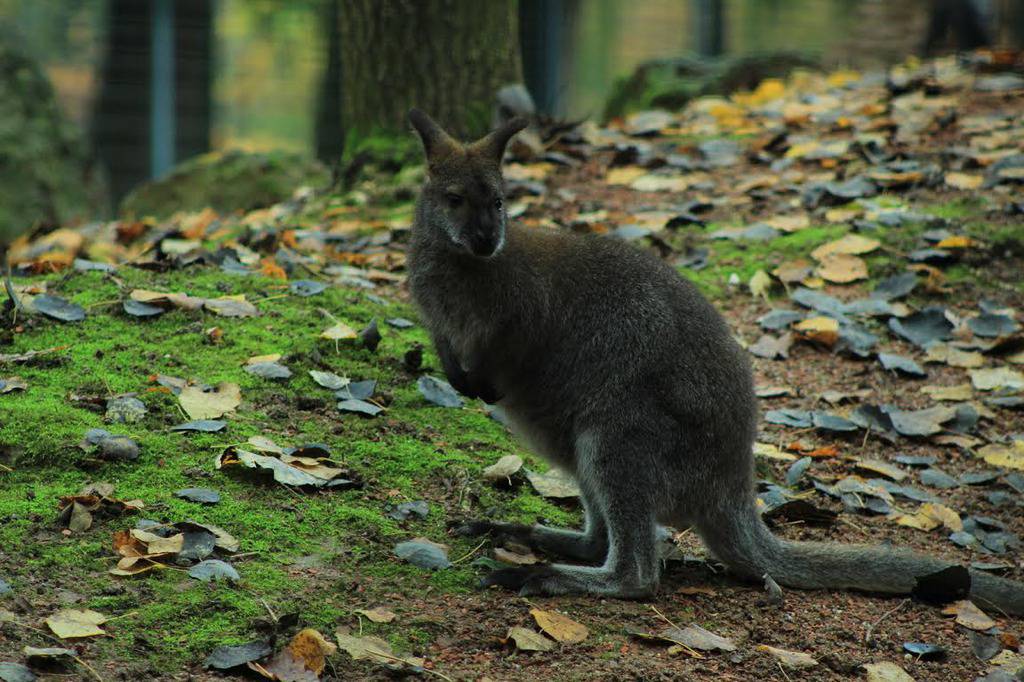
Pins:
x,y
795,660
964,180
199,404
374,649
1007,456
503,469
339,332
955,393
842,268
560,628
423,553
999,377
886,672
850,244
529,640
696,637
378,614
823,330
232,656
554,484
303,659
438,392
969,615
72,623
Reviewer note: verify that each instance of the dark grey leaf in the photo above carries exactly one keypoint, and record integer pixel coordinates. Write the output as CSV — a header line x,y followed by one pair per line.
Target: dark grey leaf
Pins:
x,y
83,265
269,370
203,425
406,509
5,588
872,307
423,554
779,319
855,340
438,392
357,390
400,323
306,287
925,652
1015,480
214,570
902,364
15,672
140,309
360,407
963,539
984,646
831,422
991,325
916,460
872,417
823,303
200,495
631,233
227,657
923,327
197,545
978,477
329,379
895,287
58,308
719,151
932,256
799,419
694,258
925,422
937,478
796,471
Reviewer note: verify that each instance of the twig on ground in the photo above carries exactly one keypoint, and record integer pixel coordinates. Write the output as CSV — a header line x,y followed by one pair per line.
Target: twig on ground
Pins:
x,y
470,552
871,628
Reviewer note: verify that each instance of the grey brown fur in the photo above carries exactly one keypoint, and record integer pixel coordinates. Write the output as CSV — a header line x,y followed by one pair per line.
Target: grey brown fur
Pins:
x,y
616,369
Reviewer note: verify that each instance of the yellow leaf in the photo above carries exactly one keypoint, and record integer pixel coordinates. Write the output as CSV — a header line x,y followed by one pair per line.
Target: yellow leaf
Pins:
x,y
842,268
943,514
824,330
769,451
561,628
623,175
964,180
842,77
256,359
851,244
71,623
200,404
789,223
760,284
338,332
1009,456
958,393
956,242
528,640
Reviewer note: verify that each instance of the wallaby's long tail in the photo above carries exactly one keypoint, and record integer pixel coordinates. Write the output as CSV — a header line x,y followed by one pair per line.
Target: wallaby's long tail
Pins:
x,y
740,539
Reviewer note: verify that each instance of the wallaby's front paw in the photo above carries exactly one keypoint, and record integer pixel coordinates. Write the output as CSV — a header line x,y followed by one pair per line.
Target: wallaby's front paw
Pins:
x,y
526,580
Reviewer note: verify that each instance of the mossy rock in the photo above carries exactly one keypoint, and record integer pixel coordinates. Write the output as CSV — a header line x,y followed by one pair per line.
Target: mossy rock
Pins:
x,y
225,181
671,83
46,175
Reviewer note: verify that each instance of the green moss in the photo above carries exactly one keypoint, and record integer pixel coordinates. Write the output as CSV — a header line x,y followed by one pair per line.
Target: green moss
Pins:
x,y
301,552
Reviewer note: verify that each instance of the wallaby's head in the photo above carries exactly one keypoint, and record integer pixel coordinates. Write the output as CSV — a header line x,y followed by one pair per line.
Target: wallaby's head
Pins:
x,y
463,197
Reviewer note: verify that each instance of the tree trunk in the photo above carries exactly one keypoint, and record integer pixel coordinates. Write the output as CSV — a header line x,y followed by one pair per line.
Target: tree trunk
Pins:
x,y
447,57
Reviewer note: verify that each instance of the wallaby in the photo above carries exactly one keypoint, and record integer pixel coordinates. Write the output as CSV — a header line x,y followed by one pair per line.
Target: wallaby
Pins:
x,y
613,367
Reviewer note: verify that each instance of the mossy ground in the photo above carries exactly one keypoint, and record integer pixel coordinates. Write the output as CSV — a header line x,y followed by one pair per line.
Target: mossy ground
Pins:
x,y
320,555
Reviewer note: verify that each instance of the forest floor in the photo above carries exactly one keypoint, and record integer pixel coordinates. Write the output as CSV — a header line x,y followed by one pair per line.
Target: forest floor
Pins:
x,y
854,201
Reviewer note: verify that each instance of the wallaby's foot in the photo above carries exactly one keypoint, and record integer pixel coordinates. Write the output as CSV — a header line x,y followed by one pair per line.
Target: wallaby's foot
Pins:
x,y
555,579
589,546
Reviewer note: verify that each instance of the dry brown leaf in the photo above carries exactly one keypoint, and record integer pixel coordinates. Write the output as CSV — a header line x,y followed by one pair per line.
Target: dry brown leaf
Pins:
x,y
958,393
303,659
528,640
378,614
964,180
842,268
823,330
969,615
73,623
850,244
561,628
790,659
200,404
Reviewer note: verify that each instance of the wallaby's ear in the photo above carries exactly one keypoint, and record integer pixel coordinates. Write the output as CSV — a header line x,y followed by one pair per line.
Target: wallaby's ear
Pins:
x,y
437,144
493,144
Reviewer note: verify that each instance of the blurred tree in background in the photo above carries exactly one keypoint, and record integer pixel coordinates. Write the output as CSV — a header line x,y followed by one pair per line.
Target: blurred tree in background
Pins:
x,y
447,57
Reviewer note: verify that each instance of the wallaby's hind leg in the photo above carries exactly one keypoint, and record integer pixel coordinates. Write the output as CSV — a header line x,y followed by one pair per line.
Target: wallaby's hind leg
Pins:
x,y
589,545
621,495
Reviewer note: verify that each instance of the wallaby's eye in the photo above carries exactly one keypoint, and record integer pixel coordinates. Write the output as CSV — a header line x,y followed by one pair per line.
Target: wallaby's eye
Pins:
x,y
498,203
454,200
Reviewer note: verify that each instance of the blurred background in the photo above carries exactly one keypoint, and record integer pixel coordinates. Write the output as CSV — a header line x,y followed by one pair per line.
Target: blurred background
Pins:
x,y
119,91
